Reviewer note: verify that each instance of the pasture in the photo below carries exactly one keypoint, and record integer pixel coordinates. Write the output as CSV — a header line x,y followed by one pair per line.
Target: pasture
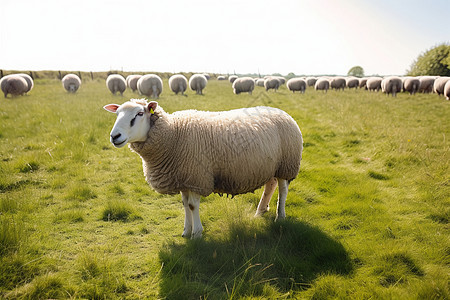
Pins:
x,y
367,216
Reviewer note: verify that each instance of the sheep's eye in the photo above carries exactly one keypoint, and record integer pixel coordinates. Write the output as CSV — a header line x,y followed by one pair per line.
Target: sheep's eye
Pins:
x,y
141,113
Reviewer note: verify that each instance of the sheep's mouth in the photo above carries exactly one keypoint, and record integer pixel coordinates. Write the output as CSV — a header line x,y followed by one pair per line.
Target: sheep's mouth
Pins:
x,y
119,144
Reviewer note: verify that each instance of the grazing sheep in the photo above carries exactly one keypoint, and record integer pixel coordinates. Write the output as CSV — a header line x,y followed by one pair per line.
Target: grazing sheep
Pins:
x,y
352,82
426,84
221,77
296,84
311,81
272,83
337,83
411,85
439,83
71,83
116,83
260,82
29,80
392,85
150,85
322,84
178,83
447,90
232,78
198,152
132,81
207,76
197,83
243,85
373,83
13,84
362,83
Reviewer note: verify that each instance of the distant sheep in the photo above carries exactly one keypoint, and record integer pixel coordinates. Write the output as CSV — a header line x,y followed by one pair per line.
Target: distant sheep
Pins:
x,y
352,82
260,82
150,85
426,84
178,83
198,152
392,85
29,81
362,83
296,84
116,83
447,90
311,81
243,85
411,85
232,78
439,83
132,81
13,84
322,84
374,83
272,83
337,83
197,83
71,83
221,77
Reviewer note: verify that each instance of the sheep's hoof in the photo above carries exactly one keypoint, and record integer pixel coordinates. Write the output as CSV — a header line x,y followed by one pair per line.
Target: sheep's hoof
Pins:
x,y
259,213
186,234
196,235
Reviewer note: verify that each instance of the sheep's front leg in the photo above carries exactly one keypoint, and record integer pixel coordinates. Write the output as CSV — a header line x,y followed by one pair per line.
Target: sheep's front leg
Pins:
x,y
187,215
269,189
282,195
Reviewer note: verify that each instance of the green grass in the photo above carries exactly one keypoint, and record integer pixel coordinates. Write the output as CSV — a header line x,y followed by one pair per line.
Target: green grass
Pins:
x,y
367,215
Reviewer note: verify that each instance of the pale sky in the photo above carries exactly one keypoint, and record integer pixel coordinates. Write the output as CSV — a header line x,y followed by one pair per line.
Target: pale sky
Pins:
x,y
243,36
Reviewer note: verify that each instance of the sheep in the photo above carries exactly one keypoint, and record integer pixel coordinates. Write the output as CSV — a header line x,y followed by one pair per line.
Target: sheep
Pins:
x,y
337,83
116,83
232,78
198,152
272,83
362,83
296,84
411,85
352,82
426,84
132,81
373,83
71,83
29,81
13,84
447,90
392,85
243,85
221,77
150,85
178,83
260,82
311,81
322,84
439,83
197,83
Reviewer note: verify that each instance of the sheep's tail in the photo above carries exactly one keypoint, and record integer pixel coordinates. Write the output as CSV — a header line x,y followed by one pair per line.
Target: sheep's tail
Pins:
x,y
181,88
155,91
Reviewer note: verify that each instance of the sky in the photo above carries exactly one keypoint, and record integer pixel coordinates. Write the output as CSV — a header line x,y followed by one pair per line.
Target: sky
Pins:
x,y
305,37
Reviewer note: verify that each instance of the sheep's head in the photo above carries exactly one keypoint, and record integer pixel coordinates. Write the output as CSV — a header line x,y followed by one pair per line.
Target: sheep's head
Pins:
x,y
132,123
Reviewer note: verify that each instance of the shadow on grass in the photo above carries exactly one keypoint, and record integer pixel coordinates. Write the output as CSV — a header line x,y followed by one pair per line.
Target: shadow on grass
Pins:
x,y
268,259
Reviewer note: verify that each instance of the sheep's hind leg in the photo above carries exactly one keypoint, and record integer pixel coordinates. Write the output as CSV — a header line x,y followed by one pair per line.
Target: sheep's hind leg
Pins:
x,y
269,189
187,215
194,206
282,195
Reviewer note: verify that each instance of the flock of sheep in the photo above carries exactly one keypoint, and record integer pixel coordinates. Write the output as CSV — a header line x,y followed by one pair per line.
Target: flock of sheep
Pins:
x,y
151,85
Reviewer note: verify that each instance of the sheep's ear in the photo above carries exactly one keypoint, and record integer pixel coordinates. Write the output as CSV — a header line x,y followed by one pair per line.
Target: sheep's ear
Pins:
x,y
111,107
152,106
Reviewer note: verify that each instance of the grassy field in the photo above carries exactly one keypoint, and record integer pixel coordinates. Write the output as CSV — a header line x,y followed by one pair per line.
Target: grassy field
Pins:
x,y
367,215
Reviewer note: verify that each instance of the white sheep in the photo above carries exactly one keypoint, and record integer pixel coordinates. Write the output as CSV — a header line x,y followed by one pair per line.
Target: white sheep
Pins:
x,y
199,152
439,83
296,84
352,82
221,77
411,85
13,84
311,81
243,85
260,82
322,84
426,84
392,85
197,83
362,83
29,81
447,90
71,83
272,83
232,78
132,81
178,83
116,83
374,83
150,85
337,83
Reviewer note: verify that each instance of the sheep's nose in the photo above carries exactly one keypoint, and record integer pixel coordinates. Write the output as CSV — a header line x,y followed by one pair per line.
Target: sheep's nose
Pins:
x,y
115,137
